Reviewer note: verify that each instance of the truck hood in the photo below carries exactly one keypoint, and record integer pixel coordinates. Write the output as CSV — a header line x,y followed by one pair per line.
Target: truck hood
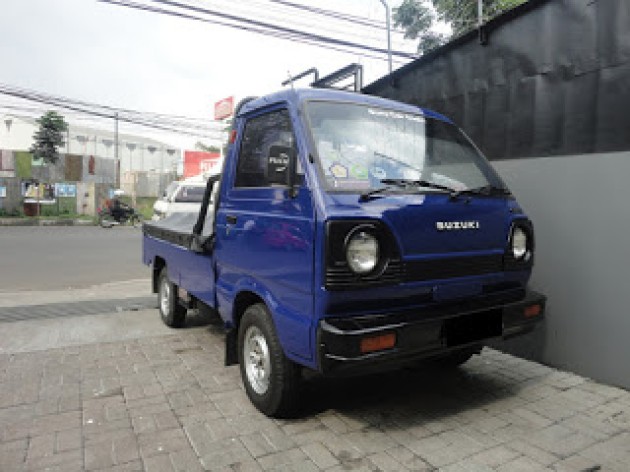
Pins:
x,y
432,223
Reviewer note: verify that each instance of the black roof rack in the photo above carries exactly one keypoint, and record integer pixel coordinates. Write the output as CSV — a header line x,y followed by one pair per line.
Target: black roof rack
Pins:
x,y
329,81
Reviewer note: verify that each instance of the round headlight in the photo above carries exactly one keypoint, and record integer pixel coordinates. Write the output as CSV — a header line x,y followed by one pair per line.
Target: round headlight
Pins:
x,y
519,243
362,252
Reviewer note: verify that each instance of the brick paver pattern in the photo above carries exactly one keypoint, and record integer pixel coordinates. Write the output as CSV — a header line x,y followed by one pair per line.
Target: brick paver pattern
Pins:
x,y
168,404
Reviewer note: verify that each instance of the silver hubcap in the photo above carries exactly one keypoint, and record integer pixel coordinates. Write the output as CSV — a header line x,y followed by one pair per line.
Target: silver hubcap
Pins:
x,y
257,361
165,295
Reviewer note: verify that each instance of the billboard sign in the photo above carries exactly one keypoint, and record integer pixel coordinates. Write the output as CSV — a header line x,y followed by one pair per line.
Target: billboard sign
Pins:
x,y
65,190
199,162
224,108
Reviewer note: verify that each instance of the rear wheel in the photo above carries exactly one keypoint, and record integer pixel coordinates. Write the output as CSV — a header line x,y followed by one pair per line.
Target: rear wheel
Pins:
x,y
172,313
271,380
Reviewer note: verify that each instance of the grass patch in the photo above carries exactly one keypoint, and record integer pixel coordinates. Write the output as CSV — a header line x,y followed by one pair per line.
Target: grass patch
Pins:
x,y
144,205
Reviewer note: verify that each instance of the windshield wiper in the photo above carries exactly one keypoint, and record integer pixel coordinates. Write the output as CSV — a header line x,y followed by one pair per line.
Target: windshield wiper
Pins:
x,y
403,183
453,193
418,183
389,183
487,190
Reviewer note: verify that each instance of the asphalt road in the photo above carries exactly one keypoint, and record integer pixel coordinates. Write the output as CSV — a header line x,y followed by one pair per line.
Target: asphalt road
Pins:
x,y
62,257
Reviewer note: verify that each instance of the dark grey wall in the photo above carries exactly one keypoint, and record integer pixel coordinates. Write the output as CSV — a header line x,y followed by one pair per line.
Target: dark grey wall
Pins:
x,y
552,80
579,205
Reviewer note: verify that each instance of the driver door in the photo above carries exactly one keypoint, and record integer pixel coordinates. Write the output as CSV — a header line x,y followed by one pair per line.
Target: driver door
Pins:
x,y
265,233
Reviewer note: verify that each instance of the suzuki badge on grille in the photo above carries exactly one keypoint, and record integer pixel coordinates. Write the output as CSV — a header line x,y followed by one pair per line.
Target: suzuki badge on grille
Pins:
x,y
456,225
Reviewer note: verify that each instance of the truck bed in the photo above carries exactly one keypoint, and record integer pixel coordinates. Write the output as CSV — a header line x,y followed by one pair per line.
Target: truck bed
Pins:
x,y
176,228
168,242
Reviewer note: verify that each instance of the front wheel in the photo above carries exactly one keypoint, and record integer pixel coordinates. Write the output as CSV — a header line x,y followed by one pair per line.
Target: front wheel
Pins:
x,y
136,221
172,313
105,220
271,380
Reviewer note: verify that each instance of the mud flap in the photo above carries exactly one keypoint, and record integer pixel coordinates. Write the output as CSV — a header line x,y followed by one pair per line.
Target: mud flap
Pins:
x,y
231,349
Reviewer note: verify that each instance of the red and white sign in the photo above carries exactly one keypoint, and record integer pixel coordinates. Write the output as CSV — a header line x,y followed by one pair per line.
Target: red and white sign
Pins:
x,y
224,108
199,162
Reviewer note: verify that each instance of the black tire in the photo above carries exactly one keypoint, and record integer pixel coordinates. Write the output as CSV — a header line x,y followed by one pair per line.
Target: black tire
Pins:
x,y
456,358
136,221
171,312
105,221
272,381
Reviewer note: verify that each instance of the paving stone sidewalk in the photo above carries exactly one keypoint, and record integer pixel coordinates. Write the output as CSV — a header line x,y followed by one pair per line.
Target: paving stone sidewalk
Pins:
x,y
165,403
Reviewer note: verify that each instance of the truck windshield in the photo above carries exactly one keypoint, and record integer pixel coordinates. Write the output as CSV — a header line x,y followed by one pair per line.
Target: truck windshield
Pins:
x,y
359,146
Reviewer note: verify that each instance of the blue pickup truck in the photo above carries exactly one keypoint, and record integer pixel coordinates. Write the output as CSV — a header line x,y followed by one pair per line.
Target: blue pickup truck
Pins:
x,y
347,233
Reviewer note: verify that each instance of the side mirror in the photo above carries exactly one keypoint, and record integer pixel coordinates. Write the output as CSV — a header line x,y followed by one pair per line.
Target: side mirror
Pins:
x,y
280,165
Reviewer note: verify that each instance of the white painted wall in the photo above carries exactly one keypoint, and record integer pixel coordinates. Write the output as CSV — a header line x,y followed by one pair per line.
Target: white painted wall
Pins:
x,y
580,206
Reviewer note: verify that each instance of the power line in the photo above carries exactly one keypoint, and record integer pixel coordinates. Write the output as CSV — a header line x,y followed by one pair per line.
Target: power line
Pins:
x,y
338,15
279,28
148,121
109,109
260,9
132,5
254,25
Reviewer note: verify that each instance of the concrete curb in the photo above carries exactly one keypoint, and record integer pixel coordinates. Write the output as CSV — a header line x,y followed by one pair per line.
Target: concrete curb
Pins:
x,y
44,222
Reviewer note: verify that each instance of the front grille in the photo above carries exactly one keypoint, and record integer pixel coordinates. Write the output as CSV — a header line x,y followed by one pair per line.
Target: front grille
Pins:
x,y
436,269
339,278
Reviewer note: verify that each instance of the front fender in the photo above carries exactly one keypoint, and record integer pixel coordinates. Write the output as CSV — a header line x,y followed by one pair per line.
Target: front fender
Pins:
x,y
292,329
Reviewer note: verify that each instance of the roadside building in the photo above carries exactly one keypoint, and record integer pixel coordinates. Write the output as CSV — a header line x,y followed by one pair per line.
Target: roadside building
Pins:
x,y
145,166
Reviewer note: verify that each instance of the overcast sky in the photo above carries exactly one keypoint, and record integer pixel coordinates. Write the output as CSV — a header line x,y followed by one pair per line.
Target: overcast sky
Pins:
x,y
86,50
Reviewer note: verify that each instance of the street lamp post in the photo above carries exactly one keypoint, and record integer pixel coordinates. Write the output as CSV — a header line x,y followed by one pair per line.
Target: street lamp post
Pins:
x,y
131,147
171,152
389,34
116,160
108,143
479,13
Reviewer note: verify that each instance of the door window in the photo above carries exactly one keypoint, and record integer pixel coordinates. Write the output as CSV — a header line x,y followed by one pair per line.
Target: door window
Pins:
x,y
262,135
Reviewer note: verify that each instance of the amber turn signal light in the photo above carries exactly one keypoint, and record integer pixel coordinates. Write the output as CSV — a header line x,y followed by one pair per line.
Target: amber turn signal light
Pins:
x,y
378,343
532,310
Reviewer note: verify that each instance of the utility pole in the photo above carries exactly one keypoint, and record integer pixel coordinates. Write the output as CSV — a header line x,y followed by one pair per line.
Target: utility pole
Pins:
x,y
116,160
132,147
479,13
389,33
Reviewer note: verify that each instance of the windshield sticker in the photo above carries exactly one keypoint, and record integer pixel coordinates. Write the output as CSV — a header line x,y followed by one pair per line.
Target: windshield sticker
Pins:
x,y
378,172
395,115
359,172
338,171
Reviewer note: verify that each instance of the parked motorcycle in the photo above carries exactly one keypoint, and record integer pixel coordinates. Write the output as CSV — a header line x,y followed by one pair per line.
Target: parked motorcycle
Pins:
x,y
124,216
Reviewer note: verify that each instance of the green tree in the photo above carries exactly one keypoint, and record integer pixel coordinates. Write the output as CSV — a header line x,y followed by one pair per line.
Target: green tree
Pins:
x,y
199,146
49,137
416,17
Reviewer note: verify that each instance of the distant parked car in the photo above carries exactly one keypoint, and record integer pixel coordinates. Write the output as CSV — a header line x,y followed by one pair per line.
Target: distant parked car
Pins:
x,y
183,196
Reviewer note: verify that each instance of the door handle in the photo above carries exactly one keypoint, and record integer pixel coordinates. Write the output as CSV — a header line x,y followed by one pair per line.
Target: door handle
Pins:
x,y
230,219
